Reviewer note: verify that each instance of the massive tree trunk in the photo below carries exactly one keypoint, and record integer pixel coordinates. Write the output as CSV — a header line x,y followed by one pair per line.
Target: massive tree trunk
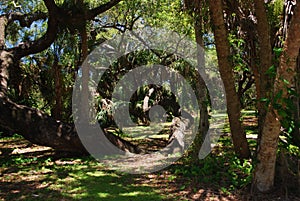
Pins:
x,y
265,169
34,125
38,127
226,70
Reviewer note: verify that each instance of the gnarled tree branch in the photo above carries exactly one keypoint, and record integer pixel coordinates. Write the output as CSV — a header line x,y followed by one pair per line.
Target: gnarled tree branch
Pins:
x,y
46,40
26,19
101,9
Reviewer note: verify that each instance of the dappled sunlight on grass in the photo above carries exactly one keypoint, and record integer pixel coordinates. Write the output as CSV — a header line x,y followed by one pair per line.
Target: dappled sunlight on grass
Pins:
x,y
29,172
47,175
93,184
43,174
50,176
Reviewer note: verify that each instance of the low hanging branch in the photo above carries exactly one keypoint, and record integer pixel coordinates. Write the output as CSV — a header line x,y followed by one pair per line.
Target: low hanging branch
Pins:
x,y
34,125
41,129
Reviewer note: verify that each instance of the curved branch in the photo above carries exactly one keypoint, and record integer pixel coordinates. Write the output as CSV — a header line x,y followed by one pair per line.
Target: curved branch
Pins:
x,y
51,6
39,45
100,9
44,42
32,47
26,19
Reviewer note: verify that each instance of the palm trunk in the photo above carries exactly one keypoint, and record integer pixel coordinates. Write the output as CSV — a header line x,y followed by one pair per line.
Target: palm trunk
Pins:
x,y
296,101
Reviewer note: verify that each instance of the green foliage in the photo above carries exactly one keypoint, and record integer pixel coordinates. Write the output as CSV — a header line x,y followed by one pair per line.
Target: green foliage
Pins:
x,y
37,83
272,71
275,10
277,53
285,108
22,160
237,44
224,169
16,33
242,70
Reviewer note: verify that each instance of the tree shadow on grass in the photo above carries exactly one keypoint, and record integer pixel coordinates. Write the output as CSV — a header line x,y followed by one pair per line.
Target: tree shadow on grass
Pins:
x,y
71,182
29,191
36,174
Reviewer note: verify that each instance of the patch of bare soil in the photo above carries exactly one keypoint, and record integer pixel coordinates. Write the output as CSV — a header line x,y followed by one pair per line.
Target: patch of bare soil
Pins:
x,y
190,190
185,188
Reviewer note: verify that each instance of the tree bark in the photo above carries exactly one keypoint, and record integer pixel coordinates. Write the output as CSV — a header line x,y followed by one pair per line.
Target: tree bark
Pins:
x,y
226,71
265,169
85,70
265,58
58,106
176,140
3,22
38,127
296,114
146,100
32,124
201,90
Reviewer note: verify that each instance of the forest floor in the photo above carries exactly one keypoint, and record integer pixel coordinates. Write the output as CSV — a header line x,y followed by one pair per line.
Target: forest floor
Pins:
x,y
31,172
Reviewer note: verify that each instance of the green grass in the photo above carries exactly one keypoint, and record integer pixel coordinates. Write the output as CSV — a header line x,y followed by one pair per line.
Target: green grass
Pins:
x,y
85,182
153,131
44,175
44,180
29,172
41,174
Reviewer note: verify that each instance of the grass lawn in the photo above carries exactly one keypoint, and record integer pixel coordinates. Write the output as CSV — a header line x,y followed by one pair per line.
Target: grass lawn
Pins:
x,y
31,172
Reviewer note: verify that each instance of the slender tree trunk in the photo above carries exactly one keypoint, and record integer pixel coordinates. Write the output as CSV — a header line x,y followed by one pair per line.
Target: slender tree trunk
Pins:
x,y
146,107
85,76
265,58
146,100
265,169
296,114
3,22
201,91
226,70
58,107
266,153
